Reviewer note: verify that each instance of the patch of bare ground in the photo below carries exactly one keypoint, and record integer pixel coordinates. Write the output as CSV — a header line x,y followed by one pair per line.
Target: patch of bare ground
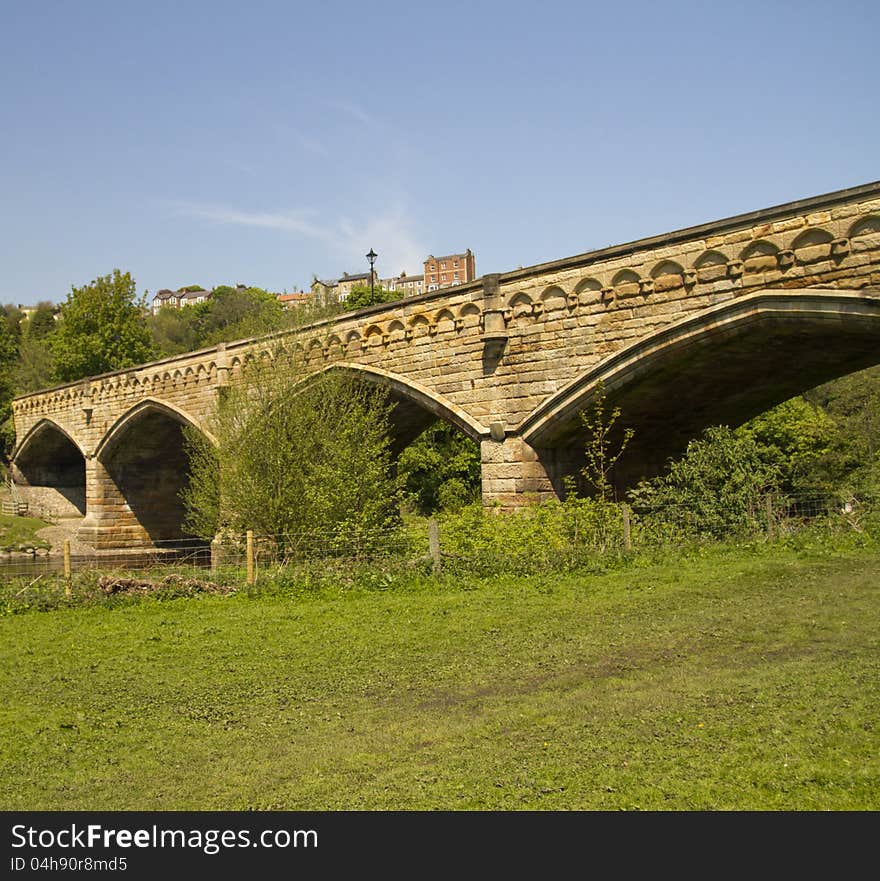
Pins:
x,y
56,535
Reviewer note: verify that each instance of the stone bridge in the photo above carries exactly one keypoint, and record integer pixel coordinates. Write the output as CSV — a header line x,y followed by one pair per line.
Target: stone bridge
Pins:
x,y
710,324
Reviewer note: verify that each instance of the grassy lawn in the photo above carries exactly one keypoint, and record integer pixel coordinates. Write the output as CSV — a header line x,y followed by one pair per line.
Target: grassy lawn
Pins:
x,y
20,532
731,680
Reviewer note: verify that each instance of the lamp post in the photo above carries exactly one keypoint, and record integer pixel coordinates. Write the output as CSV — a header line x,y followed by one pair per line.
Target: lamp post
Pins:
x,y
372,258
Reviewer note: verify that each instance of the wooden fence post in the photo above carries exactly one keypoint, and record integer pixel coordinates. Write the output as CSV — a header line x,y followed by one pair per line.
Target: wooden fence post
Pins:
x,y
67,567
770,523
627,535
250,557
434,544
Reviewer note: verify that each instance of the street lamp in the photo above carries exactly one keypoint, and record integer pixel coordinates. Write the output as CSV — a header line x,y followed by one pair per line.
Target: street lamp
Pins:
x,y
372,258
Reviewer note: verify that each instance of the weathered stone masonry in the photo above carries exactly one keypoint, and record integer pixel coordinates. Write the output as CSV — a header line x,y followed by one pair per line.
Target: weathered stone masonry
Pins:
x,y
711,323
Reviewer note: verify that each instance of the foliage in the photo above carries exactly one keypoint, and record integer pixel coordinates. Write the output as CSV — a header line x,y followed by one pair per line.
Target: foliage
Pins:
x,y
718,488
232,313
8,356
578,534
795,438
604,445
440,469
102,328
853,461
239,313
175,331
360,297
35,368
12,318
41,322
294,457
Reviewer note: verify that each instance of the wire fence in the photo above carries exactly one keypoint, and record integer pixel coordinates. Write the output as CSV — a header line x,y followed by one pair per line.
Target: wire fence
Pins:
x,y
542,538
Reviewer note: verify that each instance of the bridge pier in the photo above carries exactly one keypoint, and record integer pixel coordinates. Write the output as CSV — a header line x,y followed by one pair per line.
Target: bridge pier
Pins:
x,y
109,523
515,475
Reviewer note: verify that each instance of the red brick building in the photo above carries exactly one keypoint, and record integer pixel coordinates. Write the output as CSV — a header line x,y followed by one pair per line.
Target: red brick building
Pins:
x,y
453,269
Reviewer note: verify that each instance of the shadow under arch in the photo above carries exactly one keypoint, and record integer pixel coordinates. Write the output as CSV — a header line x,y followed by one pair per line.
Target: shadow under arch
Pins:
x,y
144,456
414,406
723,365
49,456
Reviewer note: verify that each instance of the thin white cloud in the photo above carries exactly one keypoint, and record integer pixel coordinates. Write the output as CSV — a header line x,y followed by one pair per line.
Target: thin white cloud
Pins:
x,y
389,232
391,235
311,145
355,112
285,221
243,167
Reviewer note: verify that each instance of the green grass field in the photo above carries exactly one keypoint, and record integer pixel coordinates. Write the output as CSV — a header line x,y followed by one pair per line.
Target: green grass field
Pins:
x,y
19,532
735,679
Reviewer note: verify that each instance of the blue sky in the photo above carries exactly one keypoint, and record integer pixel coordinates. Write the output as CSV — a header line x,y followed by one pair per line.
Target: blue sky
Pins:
x,y
262,143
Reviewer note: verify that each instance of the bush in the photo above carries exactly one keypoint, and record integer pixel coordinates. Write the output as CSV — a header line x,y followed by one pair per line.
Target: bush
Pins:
x,y
301,462
718,489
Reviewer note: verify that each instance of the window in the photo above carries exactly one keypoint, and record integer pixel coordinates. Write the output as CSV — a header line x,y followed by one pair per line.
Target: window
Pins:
x,y
443,265
455,263
456,274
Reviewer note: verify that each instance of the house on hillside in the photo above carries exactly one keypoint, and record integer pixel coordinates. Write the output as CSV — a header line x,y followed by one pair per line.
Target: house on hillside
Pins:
x,y
178,298
297,298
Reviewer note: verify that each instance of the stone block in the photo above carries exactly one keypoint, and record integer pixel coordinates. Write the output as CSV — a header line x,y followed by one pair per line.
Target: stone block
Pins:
x,y
813,253
818,217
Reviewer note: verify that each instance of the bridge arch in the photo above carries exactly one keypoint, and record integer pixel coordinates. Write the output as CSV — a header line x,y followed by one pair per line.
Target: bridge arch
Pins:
x,y
50,462
414,406
723,365
142,464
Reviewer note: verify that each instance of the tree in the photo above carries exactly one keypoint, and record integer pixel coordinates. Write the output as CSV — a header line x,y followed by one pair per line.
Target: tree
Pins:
x,y
718,488
8,354
102,328
795,437
853,460
239,313
603,447
41,322
175,331
13,318
293,458
440,470
361,297
35,369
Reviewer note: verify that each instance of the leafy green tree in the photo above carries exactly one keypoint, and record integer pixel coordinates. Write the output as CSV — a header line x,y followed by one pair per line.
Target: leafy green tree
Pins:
x,y
41,322
13,318
795,437
239,313
35,368
606,443
717,489
175,331
102,328
8,356
293,459
440,469
853,460
360,297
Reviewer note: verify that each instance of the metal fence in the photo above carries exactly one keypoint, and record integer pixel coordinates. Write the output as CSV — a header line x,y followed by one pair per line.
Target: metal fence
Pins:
x,y
543,537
